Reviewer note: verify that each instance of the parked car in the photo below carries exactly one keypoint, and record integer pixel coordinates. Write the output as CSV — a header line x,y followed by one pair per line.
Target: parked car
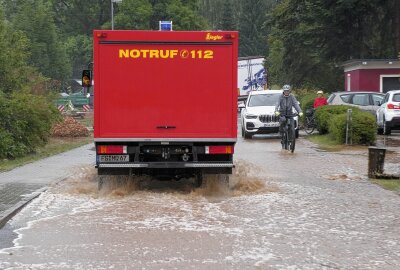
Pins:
x,y
388,114
367,101
258,116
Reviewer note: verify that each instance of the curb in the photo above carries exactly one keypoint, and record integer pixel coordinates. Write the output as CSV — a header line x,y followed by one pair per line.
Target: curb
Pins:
x,y
6,215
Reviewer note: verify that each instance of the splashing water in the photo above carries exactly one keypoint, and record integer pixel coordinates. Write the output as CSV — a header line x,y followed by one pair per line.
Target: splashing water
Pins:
x,y
244,180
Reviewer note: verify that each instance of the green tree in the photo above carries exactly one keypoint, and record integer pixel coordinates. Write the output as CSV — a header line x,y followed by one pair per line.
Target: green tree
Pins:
x,y
145,14
77,17
228,21
253,35
213,11
133,14
15,73
47,53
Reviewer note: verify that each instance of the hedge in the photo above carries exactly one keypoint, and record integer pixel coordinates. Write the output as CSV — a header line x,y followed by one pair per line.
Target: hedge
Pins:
x,y
325,113
363,128
25,123
307,101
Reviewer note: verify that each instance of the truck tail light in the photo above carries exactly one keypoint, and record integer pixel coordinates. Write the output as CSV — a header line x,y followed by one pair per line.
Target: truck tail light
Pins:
x,y
391,106
112,149
220,149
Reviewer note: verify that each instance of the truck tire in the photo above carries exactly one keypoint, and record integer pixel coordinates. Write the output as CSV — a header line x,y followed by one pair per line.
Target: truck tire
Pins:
x,y
198,181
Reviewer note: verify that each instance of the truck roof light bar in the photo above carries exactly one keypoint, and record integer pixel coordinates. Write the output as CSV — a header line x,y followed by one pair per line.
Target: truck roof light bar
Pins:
x,y
101,35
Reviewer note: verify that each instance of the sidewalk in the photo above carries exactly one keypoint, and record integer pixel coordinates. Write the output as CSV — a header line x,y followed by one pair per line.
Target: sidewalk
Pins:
x,y
19,185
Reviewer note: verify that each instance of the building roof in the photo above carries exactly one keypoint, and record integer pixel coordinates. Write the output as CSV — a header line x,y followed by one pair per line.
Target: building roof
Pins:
x,y
355,64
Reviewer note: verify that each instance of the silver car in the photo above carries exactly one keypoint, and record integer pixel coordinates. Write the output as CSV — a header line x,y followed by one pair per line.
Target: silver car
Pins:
x,y
366,101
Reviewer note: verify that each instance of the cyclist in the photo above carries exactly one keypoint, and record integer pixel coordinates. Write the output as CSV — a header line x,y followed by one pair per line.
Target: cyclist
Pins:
x,y
320,100
285,106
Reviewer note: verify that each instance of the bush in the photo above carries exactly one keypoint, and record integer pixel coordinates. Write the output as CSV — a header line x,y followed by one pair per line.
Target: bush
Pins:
x,y
363,130
307,101
325,113
25,123
306,96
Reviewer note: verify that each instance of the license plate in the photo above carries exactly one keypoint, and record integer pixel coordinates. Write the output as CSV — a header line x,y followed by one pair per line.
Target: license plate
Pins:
x,y
273,124
114,158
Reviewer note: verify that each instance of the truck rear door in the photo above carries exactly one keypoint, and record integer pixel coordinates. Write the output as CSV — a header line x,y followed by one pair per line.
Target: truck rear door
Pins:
x,y
165,85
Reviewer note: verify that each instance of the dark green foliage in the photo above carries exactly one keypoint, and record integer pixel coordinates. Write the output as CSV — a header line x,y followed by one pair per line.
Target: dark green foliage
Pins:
x,y
307,101
310,39
47,53
228,21
253,35
146,14
362,131
325,113
25,123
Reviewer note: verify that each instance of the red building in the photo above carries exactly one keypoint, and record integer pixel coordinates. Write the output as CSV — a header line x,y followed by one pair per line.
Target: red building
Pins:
x,y
372,75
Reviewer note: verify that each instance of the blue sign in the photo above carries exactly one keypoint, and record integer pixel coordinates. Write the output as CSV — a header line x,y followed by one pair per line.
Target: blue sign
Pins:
x,y
165,25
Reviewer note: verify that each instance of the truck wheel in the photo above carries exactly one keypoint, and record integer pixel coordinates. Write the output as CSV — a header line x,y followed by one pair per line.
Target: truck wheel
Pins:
x,y
198,181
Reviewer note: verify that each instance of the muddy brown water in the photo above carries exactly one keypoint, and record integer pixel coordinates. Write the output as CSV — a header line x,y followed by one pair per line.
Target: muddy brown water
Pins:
x,y
242,181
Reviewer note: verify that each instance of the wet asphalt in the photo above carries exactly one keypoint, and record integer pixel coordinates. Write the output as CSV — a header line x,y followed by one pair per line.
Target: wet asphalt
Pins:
x,y
312,209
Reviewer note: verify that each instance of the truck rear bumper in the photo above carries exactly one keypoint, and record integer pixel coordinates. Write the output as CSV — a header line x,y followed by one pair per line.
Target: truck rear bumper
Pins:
x,y
171,170
165,165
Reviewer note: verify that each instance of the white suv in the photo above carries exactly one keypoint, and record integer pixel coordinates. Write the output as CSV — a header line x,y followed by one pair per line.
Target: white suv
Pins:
x,y
388,114
258,117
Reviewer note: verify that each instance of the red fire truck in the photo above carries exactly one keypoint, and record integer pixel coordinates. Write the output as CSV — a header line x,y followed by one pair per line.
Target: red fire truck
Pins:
x,y
165,103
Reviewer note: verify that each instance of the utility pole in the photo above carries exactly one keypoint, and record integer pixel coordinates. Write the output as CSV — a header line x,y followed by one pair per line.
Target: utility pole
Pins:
x,y
112,12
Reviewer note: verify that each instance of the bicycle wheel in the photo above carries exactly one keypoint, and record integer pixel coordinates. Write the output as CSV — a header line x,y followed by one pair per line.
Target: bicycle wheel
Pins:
x,y
292,138
309,125
284,140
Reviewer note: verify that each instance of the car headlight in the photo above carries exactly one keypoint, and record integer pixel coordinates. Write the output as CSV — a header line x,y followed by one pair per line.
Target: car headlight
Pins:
x,y
250,116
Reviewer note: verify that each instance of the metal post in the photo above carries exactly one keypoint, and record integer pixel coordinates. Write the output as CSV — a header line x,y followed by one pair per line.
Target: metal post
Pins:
x,y
112,15
349,139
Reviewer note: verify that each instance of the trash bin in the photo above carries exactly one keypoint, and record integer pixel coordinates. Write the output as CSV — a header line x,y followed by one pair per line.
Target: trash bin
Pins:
x,y
376,161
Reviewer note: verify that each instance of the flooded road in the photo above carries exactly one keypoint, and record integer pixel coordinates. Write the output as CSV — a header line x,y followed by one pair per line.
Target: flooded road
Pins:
x,y
308,210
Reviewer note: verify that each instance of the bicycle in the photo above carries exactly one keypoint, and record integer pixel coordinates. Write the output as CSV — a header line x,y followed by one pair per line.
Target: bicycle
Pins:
x,y
310,122
289,134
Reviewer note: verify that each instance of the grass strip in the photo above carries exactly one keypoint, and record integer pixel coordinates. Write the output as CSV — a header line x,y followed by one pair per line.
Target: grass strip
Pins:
x,y
325,142
53,147
393,185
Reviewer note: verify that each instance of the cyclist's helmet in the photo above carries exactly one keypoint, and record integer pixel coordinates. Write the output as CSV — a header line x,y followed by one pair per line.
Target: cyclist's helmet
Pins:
x,y
320,92
286,89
